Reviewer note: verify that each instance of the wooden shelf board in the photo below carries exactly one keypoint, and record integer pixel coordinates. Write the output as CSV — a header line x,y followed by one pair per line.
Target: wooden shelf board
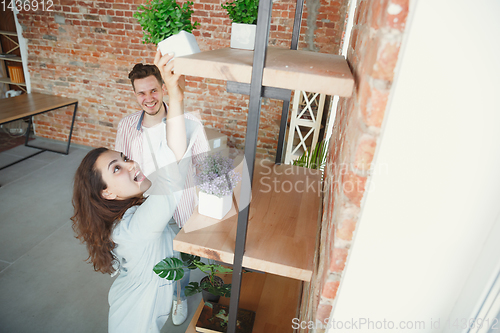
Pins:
x,y
274,299
9,33
16,59
282,224
8,81
289,69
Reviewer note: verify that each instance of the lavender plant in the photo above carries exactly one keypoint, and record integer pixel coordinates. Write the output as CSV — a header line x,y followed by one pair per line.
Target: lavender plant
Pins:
x,y
216,175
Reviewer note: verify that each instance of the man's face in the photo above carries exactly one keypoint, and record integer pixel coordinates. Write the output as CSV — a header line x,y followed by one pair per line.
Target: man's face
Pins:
x,y
149,93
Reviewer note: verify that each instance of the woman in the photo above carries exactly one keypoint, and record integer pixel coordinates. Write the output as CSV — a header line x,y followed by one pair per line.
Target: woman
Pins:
x,y
126,233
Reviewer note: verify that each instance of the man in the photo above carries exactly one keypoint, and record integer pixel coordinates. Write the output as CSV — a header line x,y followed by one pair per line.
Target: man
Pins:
x,y
142,136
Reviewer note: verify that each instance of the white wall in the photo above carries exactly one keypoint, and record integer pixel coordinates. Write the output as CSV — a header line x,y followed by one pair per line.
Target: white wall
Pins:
x,y
424,221
480,296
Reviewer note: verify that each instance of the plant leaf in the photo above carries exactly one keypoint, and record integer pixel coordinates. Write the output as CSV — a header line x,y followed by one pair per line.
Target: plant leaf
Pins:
x,y
316,159
170,268
192,288
223,269
242,11
158,19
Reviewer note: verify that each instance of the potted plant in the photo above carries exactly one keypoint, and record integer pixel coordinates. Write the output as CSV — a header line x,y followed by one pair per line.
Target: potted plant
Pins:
x,y
314,160
243,13
211,286
169,26
216,179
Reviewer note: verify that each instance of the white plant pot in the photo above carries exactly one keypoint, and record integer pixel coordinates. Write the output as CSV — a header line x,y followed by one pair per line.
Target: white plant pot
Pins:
x,y
212,206
243,36
181,44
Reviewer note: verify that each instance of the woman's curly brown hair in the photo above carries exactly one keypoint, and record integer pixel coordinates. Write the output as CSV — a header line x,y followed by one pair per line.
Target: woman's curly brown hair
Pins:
x,y
95,217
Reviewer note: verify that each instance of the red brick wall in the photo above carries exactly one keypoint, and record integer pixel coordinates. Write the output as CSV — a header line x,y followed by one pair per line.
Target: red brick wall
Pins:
x,y
372,55
85,49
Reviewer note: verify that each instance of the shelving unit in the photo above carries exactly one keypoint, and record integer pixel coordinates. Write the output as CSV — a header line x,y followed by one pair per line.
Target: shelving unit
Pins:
x,y
9,58
282,225
272,297
276,232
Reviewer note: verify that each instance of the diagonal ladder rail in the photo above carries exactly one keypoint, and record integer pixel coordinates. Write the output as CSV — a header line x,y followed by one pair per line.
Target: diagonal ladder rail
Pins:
x,y
303,106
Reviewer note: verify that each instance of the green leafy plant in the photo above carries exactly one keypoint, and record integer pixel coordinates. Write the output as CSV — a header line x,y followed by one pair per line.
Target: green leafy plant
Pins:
x,y
314,160
173,269
211,285
161,19
242,11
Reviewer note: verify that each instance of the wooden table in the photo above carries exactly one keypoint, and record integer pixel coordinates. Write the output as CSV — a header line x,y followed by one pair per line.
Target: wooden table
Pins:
x,y
29,105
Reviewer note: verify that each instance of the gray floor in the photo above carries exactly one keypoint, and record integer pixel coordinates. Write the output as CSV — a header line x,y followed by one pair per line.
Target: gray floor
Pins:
x,y
45,285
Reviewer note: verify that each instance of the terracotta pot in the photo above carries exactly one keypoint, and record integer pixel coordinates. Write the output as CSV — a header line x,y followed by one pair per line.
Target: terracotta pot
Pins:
x,y
209,297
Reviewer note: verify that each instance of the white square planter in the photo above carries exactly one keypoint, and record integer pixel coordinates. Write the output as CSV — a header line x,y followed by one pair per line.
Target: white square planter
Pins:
x,y
243,36
181,44
212,206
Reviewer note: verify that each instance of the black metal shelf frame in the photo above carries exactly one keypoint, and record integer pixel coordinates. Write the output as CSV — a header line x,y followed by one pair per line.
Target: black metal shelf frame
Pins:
x,y
256,92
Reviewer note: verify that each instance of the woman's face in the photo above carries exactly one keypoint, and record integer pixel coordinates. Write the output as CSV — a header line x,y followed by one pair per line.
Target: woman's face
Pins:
x,y
123,177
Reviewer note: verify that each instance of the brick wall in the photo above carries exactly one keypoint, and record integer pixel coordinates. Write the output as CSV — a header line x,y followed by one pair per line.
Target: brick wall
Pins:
x,y
372,55
85,49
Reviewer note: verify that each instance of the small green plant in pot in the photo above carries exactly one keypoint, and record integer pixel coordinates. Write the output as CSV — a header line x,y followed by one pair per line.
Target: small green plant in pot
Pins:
x,y
315,159
243,14
169,26
211,286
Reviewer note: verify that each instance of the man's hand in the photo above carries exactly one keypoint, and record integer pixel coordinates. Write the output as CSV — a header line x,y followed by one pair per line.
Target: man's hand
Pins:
x,y
174,82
